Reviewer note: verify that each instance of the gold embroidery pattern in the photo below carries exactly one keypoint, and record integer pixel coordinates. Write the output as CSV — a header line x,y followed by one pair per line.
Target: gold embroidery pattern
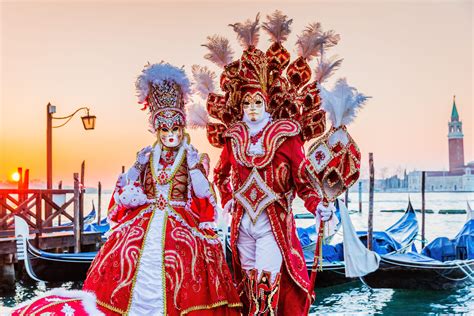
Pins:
x,y
210,306
273,137
282,176
138,260
110,307
179,191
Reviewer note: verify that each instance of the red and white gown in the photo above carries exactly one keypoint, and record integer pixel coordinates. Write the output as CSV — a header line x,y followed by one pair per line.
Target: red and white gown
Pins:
x,y
157,260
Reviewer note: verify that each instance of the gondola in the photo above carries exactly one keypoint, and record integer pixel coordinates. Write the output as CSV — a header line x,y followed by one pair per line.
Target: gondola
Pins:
x,y
88,219
49,267
444,264
397,238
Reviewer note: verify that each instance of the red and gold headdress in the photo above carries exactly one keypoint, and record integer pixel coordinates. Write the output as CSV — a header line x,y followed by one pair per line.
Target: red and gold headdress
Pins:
x,y
289,95
163,89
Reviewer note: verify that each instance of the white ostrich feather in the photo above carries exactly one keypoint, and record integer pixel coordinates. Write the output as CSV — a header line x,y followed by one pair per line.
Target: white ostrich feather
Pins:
x,y
220,52
326,67
247,32
157,74
277,26
313,41
197,116
203,80
342,102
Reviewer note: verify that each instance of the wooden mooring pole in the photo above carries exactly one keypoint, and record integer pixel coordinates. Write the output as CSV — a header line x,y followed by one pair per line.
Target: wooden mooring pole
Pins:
x,y
371,202
360,196
346,198
82,190
77,217
99,209
60,187
423,180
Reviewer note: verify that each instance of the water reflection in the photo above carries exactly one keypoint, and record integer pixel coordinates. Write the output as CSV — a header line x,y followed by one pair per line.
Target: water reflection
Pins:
x,y
356,298
351,298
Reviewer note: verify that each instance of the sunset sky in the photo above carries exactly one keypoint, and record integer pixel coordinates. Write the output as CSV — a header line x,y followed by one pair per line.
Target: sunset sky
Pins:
x,y
410,56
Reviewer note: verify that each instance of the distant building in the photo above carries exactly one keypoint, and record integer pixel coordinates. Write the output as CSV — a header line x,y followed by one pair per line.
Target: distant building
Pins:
x,y
460,177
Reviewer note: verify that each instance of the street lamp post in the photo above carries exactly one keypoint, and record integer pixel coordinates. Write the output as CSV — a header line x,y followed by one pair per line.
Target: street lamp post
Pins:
x,y
88,122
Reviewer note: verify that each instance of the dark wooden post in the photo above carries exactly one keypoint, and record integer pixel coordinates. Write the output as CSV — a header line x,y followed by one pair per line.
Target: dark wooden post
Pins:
x,y
50,109
20,185
360,196
123,169
3,211
77,226
423,179
82,190
26,180
60,187
21,196
346,198
39,212
99,209
371,202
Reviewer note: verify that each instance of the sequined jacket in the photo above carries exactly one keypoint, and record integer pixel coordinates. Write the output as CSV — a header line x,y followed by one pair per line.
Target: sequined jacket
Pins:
x,y
282,167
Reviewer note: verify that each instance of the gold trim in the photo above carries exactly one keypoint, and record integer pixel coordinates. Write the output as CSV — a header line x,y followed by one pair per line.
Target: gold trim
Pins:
x,y
110,307
163,272
210,306
195,223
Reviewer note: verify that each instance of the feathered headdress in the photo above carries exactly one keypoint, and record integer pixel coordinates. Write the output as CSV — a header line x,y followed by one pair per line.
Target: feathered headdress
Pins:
x,y
289,95
163,89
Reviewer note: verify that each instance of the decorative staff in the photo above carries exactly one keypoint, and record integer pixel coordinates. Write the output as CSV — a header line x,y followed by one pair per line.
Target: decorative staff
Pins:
x,y
335,157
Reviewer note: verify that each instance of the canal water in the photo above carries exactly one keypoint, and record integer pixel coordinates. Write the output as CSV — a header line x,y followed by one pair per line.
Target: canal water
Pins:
x,y
355,298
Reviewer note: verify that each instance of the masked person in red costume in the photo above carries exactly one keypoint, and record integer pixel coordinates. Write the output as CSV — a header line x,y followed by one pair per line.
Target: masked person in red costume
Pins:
x,y
265,119
162,257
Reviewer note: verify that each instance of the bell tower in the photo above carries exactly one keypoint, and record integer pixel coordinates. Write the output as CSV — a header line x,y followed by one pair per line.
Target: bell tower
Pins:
x,y
455,140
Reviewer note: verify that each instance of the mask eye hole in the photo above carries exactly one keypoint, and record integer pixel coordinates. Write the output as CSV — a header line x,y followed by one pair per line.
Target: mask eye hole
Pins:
x,y
164,130
258,102
175,129
246,103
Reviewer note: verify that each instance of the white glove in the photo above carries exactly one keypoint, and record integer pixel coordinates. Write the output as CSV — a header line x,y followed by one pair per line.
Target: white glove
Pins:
x,y
200,184
325,212
192,156
143,156
122,180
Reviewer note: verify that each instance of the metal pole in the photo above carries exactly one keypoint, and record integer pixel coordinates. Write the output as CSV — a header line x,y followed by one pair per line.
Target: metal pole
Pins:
x,y
371,202
77,226
360,196
423,180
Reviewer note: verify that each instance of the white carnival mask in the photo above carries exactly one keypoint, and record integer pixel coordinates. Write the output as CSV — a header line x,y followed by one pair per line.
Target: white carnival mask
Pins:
x,y
171,137
253,106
